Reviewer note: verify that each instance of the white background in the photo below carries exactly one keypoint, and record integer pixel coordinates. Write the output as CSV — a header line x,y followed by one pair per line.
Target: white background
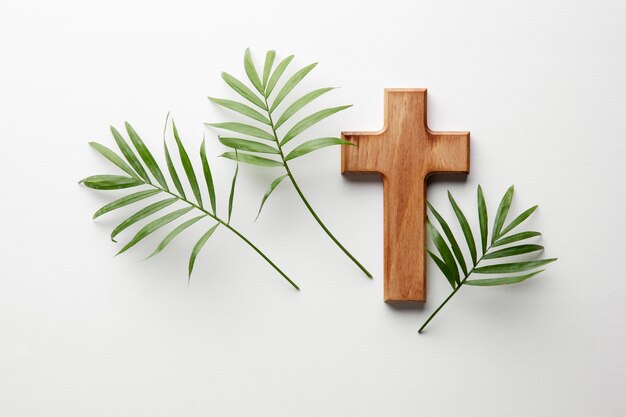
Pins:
x,y
540,85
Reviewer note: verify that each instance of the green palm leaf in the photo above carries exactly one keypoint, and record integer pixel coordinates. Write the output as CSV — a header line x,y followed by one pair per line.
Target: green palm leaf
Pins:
x,y
269,191
187,166
241,109
124,201
172,171
146,156
513,251
501,281
252,159
110,182
114,158
267,67
453,243
444,268
142,214
503,211
482,219
242,90
291,84
208,177
244,129
278,72
515,238
467,230
299,104
171,235
231,197
253,76
309,121
512,267
315,144
153,226
198,247
247,145
444,251
129,154
518,220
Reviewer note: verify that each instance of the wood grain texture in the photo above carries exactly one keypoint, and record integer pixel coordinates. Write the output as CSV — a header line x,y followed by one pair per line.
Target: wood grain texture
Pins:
x,y
405,152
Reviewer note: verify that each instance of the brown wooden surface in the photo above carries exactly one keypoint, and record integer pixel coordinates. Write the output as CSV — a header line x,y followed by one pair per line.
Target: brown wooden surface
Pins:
x,y
405,152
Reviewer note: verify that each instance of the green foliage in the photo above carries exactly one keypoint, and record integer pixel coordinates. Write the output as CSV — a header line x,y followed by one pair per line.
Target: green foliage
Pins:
x,y
451,257
138,177
266,96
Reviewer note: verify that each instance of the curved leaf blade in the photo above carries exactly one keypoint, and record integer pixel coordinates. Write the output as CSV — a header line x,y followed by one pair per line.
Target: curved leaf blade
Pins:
x,y
267,67
482,219
444,268
512,267
278,72
518,220
172,170
516,238
187,166
142,214
241,109
251,72
269,191
153,226
300,103
453,243
291,84
110,182
309,121
465,227
513,251
208,177
444,251
198,247
248,145
124,201
252,159
231,197
503,211
114,158
146,156
501,281
242,90
171,235
129,154
244,129
315,144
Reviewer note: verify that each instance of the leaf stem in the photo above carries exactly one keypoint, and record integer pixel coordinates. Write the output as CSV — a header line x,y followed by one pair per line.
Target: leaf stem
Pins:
x,y
453,292
305,201
233,230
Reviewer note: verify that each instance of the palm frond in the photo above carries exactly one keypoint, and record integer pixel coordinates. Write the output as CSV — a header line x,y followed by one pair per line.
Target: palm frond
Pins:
x,y
153,211
452,255
265,113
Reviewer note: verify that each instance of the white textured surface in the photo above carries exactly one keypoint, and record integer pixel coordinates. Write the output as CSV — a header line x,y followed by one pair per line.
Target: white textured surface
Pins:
x,y
541,86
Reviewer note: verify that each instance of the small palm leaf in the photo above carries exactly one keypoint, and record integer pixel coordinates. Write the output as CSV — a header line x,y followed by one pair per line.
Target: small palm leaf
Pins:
x,y
198,247
518,220
145,154
512,267
515,238
299,104
244,129
291,84
278,72
503,211
232,189
444,268
267,67
467,230
129,154
113,157
315,144
269,191
482,219
154,225
309,121
248,145
242,90
446,230
124,201
502,281
253,76
513,251
110,182
172,171
142,214
444,251
252,159
171,235
208,177
241,109
184,159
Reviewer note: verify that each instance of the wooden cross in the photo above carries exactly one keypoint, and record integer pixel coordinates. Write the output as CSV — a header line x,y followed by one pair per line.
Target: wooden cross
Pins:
x,y
405,152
